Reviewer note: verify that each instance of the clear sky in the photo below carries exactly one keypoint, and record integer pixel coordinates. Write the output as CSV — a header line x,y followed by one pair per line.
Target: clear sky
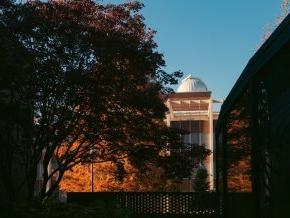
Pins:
x,y
210,39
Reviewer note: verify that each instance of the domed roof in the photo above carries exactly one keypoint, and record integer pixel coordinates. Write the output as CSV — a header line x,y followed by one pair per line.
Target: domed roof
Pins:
x,y
192,84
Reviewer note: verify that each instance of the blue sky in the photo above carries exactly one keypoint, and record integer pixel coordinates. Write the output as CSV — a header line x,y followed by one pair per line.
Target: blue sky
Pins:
x,y
210,39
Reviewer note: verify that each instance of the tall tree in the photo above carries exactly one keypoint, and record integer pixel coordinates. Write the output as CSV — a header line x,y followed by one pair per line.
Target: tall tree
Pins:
x,y
94,87
16,65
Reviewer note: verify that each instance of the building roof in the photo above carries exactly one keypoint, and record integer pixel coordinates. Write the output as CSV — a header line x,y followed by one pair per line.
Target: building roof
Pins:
x,y
278,39
191,84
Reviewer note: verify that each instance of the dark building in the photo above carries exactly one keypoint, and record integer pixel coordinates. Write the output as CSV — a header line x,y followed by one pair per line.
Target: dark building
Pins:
x,y
253,135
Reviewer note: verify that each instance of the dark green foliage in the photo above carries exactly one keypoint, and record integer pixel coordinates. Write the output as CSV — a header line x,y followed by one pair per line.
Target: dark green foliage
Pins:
x,y
16,64
98,209
201,180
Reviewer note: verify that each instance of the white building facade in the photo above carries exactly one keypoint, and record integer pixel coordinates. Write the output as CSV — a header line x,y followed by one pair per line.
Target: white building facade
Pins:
x,y
191,109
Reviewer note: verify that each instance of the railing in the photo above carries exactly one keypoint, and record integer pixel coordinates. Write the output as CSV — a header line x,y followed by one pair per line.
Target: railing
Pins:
x,y
153,204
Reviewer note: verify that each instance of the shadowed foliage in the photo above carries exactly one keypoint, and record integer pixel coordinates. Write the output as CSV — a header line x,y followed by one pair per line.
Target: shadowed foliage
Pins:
x,y
89,79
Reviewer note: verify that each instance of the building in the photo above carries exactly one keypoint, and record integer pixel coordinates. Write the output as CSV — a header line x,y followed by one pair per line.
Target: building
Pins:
x,y
191,109
252,133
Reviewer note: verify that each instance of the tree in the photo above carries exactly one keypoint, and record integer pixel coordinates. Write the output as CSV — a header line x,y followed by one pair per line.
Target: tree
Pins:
x,y
15,110
201,181
79,179
94,87
161,176
284,11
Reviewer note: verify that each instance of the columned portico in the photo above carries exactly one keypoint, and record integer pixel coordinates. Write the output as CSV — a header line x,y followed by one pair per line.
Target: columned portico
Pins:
x,y
191,109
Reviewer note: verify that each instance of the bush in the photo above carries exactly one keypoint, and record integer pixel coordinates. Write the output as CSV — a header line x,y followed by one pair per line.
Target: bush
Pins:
x,y
59,210
201,181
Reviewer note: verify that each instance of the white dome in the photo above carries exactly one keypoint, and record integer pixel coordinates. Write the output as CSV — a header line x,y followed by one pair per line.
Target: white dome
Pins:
x,y
192,84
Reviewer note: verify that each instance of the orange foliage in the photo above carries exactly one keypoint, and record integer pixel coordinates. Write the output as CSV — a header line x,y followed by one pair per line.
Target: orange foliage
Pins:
x,y
239,150
79,179
239,179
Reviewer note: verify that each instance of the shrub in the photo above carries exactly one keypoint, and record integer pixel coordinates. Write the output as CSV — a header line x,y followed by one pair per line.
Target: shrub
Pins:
x,y
59,210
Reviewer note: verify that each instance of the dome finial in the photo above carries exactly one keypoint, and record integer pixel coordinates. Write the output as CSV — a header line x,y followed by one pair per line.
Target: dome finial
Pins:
x,y
188,77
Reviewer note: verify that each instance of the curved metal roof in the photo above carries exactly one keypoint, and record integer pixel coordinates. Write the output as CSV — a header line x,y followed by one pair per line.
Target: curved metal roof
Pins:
x,y
279,38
